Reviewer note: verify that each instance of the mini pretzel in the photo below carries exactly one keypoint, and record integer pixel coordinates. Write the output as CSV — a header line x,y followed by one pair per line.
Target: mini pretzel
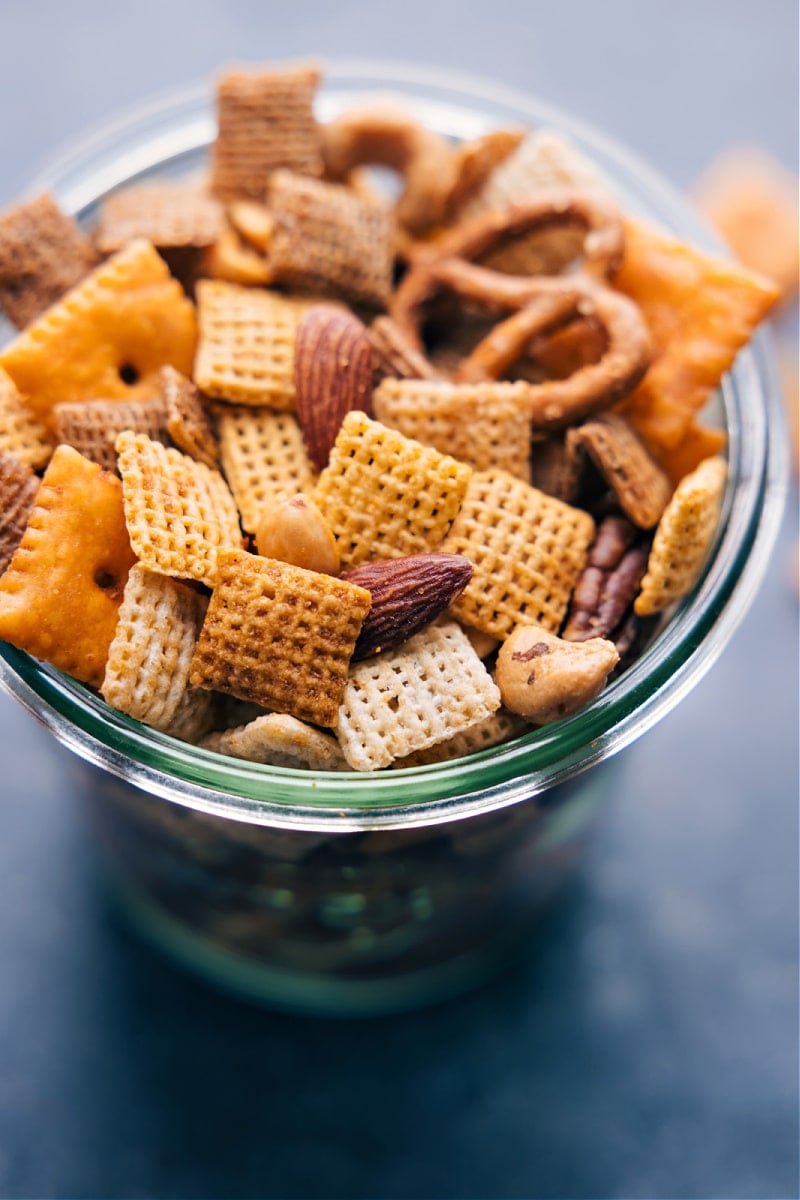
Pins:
x,y
553,303
388,136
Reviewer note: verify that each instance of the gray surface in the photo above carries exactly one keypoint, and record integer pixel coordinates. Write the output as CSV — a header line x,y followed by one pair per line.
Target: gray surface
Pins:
x,y
646,1046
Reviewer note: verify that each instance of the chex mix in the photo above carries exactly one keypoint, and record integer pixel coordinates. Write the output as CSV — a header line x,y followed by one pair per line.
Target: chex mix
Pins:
x,y
407,476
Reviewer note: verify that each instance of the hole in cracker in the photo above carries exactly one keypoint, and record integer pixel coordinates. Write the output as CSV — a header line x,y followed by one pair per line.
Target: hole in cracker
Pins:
x,y
129,374
106,580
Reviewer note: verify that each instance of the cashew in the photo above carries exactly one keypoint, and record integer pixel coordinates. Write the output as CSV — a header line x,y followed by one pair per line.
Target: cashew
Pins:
x,y
543,678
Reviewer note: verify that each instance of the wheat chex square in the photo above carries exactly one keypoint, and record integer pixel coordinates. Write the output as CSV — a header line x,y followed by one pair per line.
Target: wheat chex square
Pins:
x,y
280,636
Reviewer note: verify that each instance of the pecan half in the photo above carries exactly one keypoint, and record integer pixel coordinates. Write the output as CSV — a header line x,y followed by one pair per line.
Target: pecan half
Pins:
x,y
605,591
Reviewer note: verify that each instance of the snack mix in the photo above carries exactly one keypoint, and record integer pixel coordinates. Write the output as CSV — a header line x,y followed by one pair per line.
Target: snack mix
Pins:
x,y
320,479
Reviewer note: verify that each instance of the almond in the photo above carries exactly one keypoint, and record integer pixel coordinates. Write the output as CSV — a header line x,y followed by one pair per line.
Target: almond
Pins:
x,y
407,594
332,374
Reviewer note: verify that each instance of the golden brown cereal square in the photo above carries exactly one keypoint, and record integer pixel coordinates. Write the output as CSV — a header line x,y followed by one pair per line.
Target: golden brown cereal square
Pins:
x,y
92,426
700,311
18,487
147,671
245,352
385,495
179,512
43,253
527,550
170,214
60,595
264,457
426,691
189,422
21,435
478,423
281,741
329,240
108,337
683,538
265,120
280,636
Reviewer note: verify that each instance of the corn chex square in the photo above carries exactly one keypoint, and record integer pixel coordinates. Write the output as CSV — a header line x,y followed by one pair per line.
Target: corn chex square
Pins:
x,y
280,741
108,337
265,120
61,592
403,701
178,511
683,537
385,495
330,240
264,457
147,671
245,351
280,636
482,424
527,549
21,435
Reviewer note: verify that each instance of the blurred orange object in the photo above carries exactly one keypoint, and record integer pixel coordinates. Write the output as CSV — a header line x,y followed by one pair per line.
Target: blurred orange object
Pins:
x,y
752,200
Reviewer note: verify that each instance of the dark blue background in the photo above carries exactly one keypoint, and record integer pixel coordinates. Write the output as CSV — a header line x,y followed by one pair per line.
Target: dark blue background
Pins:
x,y
646,1045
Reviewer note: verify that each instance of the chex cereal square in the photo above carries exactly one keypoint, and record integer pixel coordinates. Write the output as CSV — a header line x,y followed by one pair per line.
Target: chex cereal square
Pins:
x,y
280,636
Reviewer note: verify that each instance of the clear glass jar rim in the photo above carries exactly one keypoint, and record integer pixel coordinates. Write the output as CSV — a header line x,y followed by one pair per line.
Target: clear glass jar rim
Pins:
x,y
181,122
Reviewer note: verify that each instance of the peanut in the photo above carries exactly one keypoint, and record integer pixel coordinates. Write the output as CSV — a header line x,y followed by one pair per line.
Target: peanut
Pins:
x,y
295,531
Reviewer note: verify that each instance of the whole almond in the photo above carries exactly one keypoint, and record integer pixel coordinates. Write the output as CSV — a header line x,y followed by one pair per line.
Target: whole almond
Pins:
x,y
407,594
332,375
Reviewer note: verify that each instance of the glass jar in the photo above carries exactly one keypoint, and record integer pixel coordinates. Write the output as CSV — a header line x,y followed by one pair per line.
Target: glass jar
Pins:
x,y
356,893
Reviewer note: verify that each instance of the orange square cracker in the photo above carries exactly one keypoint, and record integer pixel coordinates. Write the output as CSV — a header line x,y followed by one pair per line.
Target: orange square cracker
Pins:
x,y
61,592
700,311
108,337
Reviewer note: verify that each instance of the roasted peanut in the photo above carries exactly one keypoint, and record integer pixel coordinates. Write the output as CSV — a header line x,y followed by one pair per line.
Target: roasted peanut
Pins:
x,y
295,531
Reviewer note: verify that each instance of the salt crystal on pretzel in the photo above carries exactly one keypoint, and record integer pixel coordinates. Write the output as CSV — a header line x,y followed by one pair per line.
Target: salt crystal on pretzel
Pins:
x,y
187,419
43,253
245,351
527,550
147,671
264,457
18,487
482,424
21,435
397,703
280,741
280,636
179,512
265,121
92,426
683,538
329,240
61,592
107,337
385,495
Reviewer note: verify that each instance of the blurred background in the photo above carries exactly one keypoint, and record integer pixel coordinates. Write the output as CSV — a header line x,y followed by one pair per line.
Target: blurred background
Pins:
x,y
646,1045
